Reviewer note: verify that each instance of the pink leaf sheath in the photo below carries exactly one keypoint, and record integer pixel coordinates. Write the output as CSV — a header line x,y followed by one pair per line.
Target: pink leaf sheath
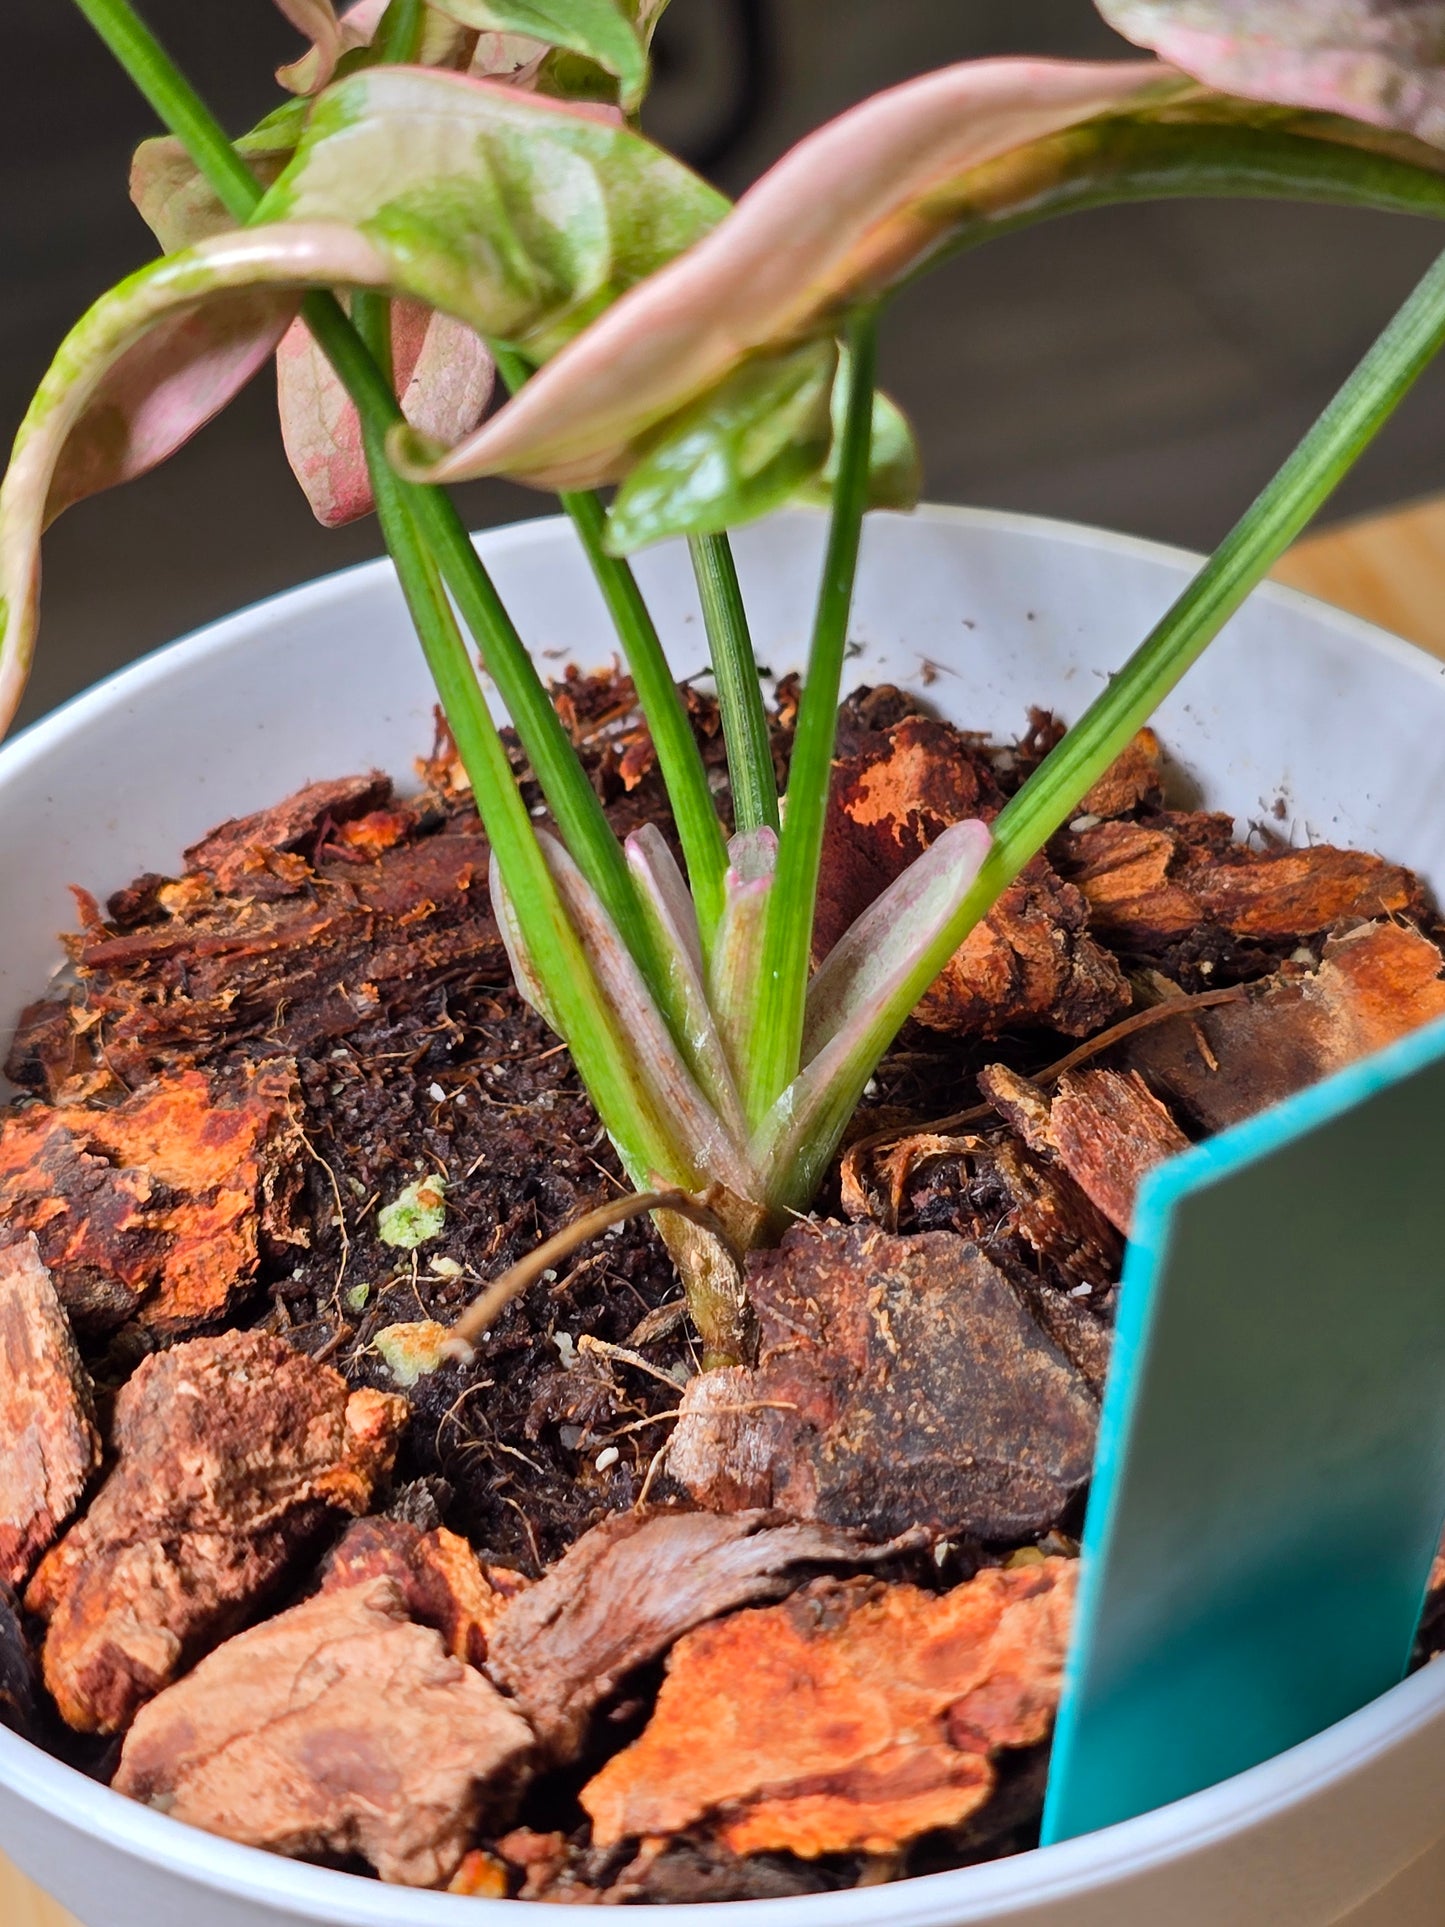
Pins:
x,y
841,218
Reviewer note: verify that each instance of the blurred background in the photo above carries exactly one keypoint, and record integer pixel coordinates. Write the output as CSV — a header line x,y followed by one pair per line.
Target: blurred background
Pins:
x,y
1142,368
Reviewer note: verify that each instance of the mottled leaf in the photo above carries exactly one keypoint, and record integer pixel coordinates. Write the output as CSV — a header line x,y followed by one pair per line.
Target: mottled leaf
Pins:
x,y
138,374
743,450
521,216
600,30
174,199
444,378
1381,61
841,218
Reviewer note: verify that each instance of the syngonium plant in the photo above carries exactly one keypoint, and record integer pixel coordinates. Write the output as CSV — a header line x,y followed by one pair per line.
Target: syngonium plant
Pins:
x,y
457,187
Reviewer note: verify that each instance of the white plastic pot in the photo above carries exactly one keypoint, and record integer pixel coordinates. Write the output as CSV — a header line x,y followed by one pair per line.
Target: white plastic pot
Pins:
x,y
992,612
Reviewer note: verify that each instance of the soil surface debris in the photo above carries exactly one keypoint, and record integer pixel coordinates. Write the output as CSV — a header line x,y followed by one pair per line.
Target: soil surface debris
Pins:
x,y
159,1207
444,1584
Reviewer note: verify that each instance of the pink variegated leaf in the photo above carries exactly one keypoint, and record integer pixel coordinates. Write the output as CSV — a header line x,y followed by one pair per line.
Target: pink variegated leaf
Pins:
x,y
602,32
702,1151
525,217
317,20
139,373
857,1000
444,378
445,41
668,906
1381,61
175,200
839,220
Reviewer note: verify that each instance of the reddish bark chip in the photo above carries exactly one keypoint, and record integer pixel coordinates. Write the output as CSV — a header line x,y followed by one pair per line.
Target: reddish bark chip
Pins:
x,y
628,1588
156,1208
1032,959
1133,781
237,852
337,1727
230,1453
49,1446
317,954
901,1383
1373,985
1151,884
1106,1128
850,1719
444,1584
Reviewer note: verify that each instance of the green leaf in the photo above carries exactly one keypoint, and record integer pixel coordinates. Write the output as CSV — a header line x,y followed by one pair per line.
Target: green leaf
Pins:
x,y
602,31
523,217
736,962
895,466
740,452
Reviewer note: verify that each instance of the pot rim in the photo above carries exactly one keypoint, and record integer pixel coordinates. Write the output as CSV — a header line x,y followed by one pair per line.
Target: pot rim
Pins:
x,y
990,1891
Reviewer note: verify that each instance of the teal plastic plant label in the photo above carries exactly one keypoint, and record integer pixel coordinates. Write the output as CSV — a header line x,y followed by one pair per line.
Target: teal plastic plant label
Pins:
x,y
1270,1483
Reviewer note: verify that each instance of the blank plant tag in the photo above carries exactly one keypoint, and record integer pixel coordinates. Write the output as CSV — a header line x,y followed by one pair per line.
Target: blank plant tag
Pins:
x,y
1270,1481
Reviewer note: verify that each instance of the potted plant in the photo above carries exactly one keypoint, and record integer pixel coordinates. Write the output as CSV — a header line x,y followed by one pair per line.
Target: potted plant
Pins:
x,y
692,356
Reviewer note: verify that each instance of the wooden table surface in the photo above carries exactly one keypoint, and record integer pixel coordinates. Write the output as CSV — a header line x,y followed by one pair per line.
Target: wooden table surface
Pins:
x,y
1389,568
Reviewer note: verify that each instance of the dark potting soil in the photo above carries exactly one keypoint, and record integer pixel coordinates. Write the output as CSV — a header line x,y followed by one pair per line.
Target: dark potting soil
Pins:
x,y
327,980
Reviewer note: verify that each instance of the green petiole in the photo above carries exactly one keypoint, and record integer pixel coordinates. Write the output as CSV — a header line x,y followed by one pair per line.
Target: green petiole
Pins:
x,y
679,758
788,939
739,692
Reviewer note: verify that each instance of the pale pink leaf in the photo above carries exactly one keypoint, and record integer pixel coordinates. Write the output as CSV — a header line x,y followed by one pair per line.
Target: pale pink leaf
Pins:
x,y
317,20
444,380
841,218
668,906
177,202
1381,61
141,371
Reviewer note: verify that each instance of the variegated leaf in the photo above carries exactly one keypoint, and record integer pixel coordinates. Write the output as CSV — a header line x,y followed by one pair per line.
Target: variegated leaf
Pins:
x,y
524,217
1381,61
602,31
138,374
840,219
444,378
